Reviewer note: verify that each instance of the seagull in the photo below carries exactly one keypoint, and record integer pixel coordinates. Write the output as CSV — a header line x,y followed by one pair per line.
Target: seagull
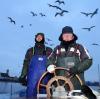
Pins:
x,y
48,39
89,29
86,14
94,13
60,2
51,44
58,8
30,24
95,44
61,13
46,42
42,14
22,26
91,14
50,5
11,20
33,14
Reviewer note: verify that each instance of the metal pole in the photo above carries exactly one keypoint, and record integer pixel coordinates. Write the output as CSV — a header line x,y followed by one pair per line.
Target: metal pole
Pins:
x,y
11,92
99,74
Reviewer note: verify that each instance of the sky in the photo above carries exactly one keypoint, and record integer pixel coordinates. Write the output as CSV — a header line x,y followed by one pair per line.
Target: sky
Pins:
x,y
14,40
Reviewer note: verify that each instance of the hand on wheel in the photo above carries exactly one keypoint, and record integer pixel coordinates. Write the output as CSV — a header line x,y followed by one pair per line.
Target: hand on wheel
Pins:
x,y
51,68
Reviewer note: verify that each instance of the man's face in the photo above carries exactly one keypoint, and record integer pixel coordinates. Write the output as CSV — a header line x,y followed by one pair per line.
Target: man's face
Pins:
x,y
39,38
67,37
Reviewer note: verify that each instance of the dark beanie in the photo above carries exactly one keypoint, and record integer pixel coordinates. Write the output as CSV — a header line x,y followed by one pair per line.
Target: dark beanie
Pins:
x,y
65,30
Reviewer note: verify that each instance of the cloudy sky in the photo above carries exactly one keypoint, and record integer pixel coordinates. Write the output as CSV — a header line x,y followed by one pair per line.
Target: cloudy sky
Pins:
x,y
16,39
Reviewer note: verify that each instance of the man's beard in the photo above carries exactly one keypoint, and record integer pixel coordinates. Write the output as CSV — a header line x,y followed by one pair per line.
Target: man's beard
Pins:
x,y
66,44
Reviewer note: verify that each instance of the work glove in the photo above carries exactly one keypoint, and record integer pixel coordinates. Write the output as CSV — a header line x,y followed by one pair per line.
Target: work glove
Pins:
x,y
51,68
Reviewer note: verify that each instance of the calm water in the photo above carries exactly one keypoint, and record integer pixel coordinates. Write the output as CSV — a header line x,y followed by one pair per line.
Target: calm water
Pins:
x,y
13,90
9,90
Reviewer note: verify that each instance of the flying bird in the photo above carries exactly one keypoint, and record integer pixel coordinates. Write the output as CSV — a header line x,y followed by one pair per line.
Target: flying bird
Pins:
x,y
86,14
50,5
46,42
61,13
95,44
51,44
33,14
30,24
60,2
89,29
11,20
22,26
48,39
42,14
58,8
94,13
90,14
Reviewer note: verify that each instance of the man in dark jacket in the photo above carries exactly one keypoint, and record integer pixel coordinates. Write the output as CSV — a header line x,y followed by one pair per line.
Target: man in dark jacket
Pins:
x,y
70,55
34,64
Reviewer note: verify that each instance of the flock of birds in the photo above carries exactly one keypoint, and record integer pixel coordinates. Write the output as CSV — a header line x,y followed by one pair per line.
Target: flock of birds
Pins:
x,y
14,22
91,15
34,14
22,26
60,12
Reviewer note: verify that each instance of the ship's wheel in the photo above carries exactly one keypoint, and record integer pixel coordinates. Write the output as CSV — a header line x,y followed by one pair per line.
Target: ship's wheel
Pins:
x,y
57,84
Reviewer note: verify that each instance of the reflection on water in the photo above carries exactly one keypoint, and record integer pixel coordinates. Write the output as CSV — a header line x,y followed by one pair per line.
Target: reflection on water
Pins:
x,y
10,90
14,90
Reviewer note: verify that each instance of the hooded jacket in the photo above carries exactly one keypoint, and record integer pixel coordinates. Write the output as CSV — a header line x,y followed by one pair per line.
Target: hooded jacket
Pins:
x,y
71,55
38,49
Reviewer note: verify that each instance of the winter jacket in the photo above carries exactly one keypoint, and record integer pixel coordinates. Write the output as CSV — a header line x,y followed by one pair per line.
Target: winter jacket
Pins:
x,y
76,57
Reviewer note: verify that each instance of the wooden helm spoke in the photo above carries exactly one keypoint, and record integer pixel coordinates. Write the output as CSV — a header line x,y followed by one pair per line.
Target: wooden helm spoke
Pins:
x,y
56,82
